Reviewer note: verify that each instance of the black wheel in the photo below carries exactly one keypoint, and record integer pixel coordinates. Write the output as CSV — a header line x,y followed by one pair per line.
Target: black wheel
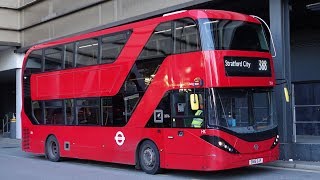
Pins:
x,y
149,158
52,149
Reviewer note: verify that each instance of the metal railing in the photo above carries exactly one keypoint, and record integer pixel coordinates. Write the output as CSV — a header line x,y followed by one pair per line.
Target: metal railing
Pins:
x,y
5,124
297,121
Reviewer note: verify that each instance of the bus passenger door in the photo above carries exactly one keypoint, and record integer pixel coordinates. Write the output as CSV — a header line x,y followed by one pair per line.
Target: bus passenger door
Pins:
x,y
183,145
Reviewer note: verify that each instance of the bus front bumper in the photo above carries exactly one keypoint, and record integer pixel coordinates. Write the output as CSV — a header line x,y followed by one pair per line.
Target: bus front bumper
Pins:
x,y
224,160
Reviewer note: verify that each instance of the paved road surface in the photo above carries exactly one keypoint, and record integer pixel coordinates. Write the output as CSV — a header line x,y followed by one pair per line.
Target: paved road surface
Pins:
x,y
17,165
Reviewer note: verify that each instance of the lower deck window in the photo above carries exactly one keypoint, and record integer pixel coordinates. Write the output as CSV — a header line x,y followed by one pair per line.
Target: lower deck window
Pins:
x,y
88,111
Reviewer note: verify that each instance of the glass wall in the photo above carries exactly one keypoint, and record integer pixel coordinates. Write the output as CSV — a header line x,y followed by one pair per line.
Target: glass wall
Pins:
x,y
306,111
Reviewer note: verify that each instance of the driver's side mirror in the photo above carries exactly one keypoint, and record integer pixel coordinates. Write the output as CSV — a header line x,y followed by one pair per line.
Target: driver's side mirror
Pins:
x,y
194,102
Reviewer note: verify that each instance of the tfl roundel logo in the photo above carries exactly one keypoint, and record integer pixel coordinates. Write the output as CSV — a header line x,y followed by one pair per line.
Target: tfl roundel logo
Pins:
x,y
119,138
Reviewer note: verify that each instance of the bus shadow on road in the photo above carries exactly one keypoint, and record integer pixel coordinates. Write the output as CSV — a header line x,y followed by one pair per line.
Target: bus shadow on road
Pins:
x,y
238,173
250,172
91,163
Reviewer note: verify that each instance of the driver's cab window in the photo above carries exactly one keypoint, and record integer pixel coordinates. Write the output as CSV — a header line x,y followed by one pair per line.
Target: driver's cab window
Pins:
x,y
234,111
183,114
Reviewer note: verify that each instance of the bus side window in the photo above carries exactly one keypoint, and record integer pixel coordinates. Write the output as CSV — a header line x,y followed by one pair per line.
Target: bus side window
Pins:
x,y
53,58
37,111
107,111
160,43
88,111
54,112
118,110
164,108
113,110
112,45
186,36
69,56
70,112
87,52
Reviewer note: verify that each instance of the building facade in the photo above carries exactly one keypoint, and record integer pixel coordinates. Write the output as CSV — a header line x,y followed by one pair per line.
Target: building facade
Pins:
x,y
293,23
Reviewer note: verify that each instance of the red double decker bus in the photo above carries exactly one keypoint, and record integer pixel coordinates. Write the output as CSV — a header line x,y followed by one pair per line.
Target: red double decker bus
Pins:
x,y
190,90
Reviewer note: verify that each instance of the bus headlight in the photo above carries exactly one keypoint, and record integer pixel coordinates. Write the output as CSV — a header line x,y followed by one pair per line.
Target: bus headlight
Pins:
x,y
220,143
275,142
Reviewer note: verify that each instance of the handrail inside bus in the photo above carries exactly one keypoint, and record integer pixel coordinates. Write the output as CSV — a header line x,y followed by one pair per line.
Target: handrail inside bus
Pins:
x,y
271,38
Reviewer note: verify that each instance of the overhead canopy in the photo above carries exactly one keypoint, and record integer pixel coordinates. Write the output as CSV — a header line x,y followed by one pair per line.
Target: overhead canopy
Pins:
x,y
7,45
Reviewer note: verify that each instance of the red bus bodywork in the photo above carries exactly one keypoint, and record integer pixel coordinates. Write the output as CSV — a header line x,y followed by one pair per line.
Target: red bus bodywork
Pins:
x,y
189,152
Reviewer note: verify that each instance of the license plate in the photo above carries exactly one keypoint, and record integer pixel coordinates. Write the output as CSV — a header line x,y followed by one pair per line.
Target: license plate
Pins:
x,y
255,161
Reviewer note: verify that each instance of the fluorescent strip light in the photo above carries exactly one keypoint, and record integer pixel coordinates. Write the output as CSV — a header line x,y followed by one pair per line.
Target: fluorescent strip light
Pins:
x,y
89,45
211,22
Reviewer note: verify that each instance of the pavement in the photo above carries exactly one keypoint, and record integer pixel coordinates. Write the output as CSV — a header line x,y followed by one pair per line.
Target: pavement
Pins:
x,y
9,143
292,164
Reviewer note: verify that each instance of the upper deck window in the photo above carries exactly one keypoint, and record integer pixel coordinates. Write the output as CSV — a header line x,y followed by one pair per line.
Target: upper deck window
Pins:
x,y
233,35
69,56
186,36
112,46
164,41
34,63
53,60
160,43
87,52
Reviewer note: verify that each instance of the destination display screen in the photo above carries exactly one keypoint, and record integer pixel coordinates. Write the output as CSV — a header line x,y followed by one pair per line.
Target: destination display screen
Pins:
x,y
247,66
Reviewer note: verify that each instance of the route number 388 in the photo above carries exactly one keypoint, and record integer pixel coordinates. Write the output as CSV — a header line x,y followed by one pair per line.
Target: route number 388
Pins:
x,y
263,65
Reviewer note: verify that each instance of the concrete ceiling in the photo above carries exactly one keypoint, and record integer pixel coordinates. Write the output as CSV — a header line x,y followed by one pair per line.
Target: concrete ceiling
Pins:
x,y
9,76
6,45
3,48
259,8
305,14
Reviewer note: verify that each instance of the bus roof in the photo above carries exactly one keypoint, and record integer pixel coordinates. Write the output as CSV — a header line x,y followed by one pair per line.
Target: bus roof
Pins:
x,y
194,14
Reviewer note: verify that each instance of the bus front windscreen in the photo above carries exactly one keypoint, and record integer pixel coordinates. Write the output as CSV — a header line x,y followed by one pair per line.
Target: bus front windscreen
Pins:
x,y
233,35
241,110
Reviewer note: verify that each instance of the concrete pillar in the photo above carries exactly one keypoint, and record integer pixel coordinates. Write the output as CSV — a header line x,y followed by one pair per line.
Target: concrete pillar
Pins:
x,y
280,27
19,62
18,102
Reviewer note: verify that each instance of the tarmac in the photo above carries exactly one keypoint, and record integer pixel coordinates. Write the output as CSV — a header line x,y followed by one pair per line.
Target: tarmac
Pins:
x,y
291,164
9,143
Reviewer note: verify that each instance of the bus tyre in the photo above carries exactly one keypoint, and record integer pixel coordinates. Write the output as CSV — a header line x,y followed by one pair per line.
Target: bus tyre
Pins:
x,y
52,149
149,157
